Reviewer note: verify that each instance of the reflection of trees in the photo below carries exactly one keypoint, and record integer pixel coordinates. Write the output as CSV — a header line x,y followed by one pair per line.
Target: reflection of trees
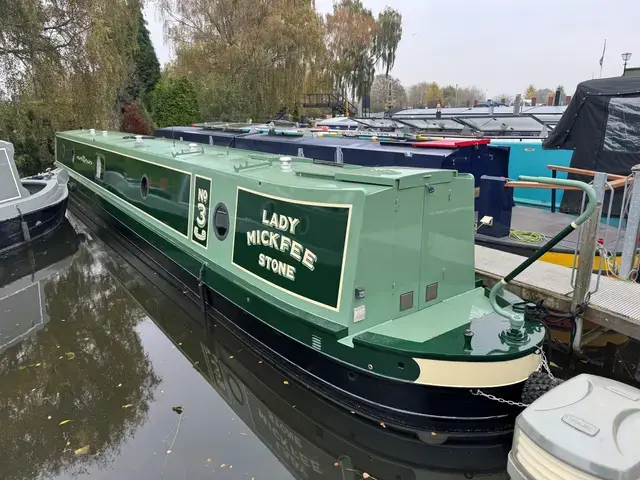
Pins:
x,y
87,349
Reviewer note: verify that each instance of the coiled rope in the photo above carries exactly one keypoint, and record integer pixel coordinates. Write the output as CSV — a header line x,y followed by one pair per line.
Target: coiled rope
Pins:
x,y
526,236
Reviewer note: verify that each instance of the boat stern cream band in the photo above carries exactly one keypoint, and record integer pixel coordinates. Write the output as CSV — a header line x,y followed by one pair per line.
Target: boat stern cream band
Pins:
x,y
476,374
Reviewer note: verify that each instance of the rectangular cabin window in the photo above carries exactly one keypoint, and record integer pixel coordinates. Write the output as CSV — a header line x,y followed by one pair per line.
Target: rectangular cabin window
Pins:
x,y
622,132
100,166
9,180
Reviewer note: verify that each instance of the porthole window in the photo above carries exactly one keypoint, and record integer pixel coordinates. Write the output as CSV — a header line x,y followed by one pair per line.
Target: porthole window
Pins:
x,y
221,221
144,187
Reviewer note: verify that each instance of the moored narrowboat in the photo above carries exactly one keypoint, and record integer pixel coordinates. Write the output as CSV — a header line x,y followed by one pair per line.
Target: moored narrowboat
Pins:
x,y
359,281
31,207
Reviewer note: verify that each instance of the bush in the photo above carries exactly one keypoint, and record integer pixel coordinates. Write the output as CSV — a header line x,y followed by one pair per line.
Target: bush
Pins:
x,y
222,99
135,120
174,102
32,137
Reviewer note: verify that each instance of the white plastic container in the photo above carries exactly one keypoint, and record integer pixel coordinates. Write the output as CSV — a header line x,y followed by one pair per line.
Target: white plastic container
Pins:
x,y
586,428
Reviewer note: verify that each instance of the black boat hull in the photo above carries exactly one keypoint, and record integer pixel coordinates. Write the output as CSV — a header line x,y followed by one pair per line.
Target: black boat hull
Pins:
x,y
39,223
420,410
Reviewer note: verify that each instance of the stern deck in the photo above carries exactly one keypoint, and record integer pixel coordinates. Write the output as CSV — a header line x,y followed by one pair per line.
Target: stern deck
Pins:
x,y
613,306
438,332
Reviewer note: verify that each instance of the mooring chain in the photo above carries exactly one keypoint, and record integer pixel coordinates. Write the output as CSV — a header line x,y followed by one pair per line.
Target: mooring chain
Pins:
x,y
496,399
544,365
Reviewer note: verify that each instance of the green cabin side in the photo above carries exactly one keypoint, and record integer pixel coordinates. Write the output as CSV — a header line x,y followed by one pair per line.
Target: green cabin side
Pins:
x,y
361,254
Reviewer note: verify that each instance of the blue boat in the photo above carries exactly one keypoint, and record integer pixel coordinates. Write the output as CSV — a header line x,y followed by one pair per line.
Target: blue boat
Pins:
x,y
474,156
527,158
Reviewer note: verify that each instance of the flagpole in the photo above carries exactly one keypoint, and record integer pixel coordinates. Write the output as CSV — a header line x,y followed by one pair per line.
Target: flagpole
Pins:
x,y
602,58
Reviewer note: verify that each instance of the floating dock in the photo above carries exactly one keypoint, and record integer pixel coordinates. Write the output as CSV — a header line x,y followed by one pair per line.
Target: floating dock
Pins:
x,y
614,305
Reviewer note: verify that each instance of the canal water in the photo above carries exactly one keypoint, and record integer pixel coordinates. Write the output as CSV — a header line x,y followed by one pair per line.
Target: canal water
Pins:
x,y
105,376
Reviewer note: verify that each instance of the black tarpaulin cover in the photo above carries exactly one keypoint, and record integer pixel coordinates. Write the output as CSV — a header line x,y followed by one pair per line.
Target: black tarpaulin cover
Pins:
x,y
602,127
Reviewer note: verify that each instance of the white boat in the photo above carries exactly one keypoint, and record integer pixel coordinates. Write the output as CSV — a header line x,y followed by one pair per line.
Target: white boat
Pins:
x,y
30,207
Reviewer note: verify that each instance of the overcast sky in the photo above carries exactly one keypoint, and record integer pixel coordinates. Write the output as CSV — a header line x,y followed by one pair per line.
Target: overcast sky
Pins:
x,y
500,45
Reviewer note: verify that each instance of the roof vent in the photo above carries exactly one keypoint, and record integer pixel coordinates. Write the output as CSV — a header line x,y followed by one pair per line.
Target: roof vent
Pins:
x,y
92,132
193,147
285,164
138,142
104,133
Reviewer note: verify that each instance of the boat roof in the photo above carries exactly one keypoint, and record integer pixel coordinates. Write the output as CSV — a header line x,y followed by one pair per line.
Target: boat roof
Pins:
x,y
586,120
368,144
480,111
261,166
372,141
530,121
601,126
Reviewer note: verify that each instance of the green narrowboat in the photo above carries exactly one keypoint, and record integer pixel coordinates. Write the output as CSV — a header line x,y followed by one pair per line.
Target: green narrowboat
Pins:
x,y
359,282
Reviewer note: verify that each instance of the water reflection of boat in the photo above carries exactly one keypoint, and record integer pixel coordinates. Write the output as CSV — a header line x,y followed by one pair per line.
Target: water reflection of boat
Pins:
x,y
67,370
22,274
308,434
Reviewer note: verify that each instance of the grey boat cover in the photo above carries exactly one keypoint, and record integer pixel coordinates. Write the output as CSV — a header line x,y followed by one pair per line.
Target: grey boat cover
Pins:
x,y
602,126
10,186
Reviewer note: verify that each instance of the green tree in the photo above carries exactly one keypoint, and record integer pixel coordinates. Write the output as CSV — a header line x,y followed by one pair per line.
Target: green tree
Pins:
x,y
357,42
174,102
280,44
62,64
449,96
530,92
146,67
387,37
417,95
542,94
506,97
468,95
387,92
434,95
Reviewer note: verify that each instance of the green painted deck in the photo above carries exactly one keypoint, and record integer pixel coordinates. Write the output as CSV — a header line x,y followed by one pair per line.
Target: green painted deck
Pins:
x,y
427,324
438,332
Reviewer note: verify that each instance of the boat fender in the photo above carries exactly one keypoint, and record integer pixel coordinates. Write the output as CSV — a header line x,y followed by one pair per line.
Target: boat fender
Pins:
x,y
25,228
537,385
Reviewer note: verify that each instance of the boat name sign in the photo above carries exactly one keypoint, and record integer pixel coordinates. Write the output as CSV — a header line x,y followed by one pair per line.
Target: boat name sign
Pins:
x,y
285,243
281,243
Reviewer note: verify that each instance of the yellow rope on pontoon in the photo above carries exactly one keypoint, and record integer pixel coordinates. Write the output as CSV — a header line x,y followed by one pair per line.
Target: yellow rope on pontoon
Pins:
x,y
526,236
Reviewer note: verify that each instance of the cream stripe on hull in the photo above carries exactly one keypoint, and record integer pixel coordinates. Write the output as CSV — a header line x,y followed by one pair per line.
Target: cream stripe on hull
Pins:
x,y
444,373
